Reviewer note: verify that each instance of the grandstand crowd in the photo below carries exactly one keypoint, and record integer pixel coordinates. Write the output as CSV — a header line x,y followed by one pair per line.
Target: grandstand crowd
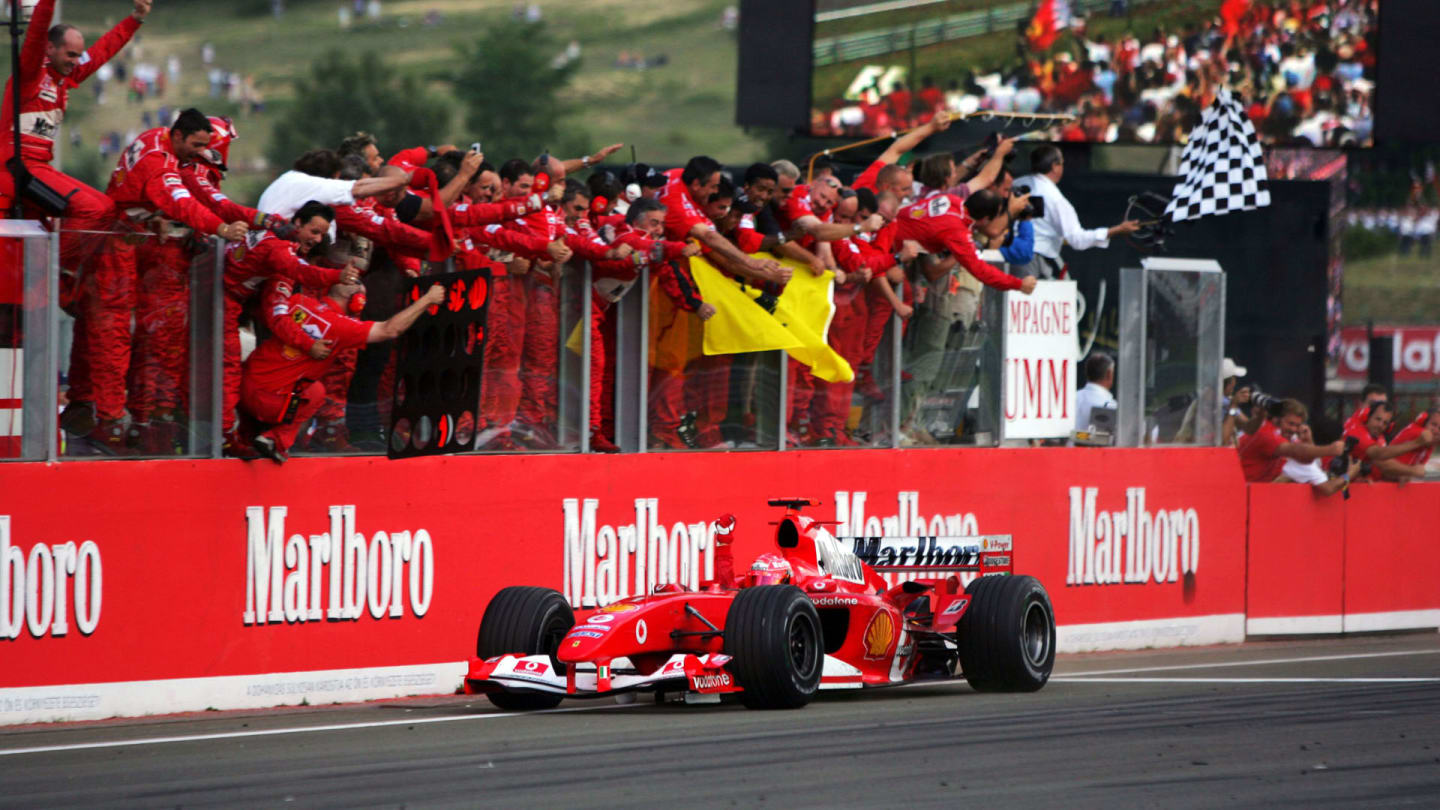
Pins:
x,y
1305,68
316,267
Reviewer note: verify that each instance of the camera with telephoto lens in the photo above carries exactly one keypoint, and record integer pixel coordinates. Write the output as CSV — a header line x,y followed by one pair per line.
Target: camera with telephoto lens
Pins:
x,y
1271,404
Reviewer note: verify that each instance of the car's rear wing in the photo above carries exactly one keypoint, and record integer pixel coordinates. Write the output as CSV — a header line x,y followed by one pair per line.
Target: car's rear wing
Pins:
x,y
923,553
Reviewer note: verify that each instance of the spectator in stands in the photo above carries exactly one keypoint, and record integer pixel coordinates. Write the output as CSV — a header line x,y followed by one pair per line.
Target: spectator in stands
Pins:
x,y
1097,393
1059,225
1263,453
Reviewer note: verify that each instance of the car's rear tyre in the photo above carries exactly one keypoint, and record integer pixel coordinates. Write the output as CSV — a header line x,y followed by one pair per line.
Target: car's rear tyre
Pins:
x,y
1007,637
525,620
773,634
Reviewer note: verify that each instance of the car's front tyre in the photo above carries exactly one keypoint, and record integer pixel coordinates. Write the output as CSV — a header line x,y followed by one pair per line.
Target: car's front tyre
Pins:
x,y
525,620
773,634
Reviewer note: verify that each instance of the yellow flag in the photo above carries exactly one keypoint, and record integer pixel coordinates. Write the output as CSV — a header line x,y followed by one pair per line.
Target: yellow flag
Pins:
x,y
739,324
800,325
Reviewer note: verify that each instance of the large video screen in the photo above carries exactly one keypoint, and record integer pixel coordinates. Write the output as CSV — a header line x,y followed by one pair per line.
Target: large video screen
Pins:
x,y
1128,71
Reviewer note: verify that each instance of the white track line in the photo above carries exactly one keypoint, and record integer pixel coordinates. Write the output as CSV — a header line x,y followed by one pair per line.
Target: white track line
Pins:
x,y
271,732
1082,679
1255,663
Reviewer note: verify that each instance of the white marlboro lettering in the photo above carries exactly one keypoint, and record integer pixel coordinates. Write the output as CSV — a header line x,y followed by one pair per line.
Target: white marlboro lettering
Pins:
x,y
605,563
1132,546
851,520
283,577
39,589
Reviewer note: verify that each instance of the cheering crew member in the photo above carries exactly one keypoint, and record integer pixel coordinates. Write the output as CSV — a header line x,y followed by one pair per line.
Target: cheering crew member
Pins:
x,y
281,385
248,265
685,194
513,249
151,196
642,231
884,294
1369,395
161,352
860,262
805,212
1385,458
886,173
939,222
54,61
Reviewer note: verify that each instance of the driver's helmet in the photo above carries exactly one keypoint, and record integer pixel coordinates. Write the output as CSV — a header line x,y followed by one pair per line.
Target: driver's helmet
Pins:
x,y
770,569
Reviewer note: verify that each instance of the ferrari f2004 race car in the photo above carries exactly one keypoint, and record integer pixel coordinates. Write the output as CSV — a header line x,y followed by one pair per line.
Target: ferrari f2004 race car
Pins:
x,y
818,613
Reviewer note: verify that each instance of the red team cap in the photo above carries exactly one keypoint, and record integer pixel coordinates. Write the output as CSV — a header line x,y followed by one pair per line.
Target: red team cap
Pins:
x,y
220,139
542,183
597,205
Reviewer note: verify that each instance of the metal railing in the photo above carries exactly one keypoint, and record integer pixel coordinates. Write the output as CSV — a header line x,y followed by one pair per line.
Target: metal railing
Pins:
x,y
938,377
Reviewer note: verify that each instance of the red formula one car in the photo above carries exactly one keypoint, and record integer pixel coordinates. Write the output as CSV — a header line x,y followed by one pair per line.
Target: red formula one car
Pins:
x,y
818,614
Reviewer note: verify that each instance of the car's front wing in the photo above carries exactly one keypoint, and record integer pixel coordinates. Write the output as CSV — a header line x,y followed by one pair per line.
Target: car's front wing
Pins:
x,y
683,672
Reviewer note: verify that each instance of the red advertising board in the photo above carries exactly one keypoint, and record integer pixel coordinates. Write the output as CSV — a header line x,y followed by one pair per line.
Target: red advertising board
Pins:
x,y
1416,355
1296,561
1392,557
217,573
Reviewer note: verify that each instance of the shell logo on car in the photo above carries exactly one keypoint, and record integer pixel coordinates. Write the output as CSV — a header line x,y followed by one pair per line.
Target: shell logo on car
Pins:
x,y
879,635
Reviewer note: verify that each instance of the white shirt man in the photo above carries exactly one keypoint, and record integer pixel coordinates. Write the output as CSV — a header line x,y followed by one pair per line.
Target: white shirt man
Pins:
x,y
293,189
1060,224
1100,377
313,179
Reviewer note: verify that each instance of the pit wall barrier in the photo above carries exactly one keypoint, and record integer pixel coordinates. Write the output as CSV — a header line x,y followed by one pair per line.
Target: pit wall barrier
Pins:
x,y
131,588
1330,565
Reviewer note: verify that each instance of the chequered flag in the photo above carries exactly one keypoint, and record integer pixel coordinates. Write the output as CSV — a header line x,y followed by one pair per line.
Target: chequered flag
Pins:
x,y
1222,168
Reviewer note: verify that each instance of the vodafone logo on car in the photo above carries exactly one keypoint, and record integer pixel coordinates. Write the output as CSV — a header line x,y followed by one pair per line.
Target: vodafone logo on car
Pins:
x,y
719,680
42,588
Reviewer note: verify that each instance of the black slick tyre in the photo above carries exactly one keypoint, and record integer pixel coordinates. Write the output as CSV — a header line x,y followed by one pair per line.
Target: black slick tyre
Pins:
x,y
524,620
1007,637
773,634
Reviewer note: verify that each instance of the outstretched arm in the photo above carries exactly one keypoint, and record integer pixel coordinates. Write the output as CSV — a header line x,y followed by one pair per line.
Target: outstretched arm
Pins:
x,y
381,331
914,138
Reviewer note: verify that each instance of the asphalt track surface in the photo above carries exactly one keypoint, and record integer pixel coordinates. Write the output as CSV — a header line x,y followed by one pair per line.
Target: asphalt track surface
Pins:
x,y
1351,723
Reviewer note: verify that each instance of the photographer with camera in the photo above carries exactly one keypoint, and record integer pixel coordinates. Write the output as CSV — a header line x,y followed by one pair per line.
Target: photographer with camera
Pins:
x,y
1264,452
1003,221
1056,222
